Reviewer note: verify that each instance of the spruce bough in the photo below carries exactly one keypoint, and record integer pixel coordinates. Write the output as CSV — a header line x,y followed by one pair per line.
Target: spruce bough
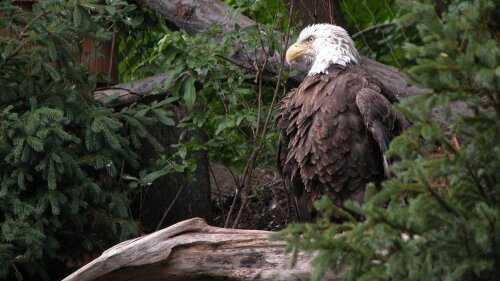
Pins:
x,y
60,150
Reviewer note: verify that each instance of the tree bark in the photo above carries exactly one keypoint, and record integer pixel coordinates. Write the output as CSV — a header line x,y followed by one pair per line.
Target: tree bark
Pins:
x,y
127,93
193,250
196,15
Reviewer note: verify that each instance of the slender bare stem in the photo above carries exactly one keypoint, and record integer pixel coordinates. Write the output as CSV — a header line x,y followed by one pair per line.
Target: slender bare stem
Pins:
x,y
169,208
218,191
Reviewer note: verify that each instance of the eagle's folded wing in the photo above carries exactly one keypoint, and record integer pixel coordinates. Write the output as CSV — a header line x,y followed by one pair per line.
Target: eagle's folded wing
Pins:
x,y
381,118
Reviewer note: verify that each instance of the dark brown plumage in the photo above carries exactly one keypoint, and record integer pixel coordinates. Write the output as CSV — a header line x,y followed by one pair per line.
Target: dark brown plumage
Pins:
x,y
334,129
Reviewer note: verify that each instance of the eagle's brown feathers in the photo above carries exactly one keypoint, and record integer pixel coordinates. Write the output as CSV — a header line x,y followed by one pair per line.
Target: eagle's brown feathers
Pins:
x,y
334,129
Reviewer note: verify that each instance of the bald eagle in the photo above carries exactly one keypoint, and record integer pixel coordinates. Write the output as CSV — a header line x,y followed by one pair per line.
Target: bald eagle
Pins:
x,y
336,126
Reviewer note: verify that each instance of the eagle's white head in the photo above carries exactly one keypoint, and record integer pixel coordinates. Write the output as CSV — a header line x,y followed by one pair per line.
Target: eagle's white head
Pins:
x,y
321,45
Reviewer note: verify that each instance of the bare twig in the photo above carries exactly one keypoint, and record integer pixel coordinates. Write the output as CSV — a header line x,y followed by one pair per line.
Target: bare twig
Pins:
x,y
169,207
454,141
280,71
248,172
235,198
373,27
235,178
272,183
234,62
218,190
233,204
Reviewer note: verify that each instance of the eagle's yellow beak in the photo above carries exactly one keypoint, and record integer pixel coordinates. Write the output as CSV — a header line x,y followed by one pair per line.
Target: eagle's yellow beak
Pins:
x,y
294,52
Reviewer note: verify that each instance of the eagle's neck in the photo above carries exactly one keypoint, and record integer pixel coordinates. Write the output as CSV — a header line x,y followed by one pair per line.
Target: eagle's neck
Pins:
x,y
331,55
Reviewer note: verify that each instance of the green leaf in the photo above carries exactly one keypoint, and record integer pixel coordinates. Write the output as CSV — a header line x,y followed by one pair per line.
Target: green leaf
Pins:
x,y
182,152
161,115
129,178
35,143
19,149
52,49
77,17
51,176
168,100
151,177
20,180
107,98
52,72
189,91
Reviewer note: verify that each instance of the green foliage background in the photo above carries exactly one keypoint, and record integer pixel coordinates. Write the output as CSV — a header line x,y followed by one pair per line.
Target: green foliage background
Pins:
x,y
375,30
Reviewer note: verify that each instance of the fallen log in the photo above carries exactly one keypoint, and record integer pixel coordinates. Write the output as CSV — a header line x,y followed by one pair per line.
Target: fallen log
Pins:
x,y
193,250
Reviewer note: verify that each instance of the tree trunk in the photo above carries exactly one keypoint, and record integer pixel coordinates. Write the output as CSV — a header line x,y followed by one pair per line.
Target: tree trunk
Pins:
x,y
195,15
318,11
192,250
127,93
173,197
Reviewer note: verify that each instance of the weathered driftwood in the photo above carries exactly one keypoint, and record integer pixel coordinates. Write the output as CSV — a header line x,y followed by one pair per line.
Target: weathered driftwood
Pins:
x,y
196,15
193,250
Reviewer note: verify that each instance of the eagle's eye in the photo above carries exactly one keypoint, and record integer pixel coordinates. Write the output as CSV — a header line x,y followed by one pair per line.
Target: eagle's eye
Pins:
x,y
310,39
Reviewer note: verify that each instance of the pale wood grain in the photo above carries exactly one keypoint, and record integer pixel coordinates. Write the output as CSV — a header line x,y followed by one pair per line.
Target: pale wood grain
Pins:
x,y
193,250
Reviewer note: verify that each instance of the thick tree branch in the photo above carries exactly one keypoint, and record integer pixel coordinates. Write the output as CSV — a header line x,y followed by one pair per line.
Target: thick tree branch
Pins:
x,y
196,15
127,93
373,27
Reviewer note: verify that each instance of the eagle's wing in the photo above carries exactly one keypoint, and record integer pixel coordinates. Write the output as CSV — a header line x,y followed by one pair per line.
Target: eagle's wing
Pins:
x,y
282,121
282,153
290,171
382,120
292,181
389,95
